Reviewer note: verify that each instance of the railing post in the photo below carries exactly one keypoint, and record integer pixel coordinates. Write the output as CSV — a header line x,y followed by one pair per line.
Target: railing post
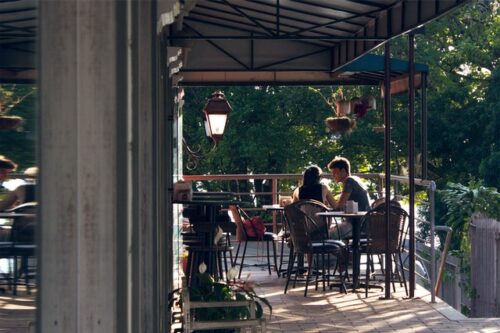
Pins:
x,y
432,190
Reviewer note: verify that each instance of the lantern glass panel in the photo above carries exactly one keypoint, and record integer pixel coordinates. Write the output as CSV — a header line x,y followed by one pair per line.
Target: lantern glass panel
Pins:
x,y
207,128
217,123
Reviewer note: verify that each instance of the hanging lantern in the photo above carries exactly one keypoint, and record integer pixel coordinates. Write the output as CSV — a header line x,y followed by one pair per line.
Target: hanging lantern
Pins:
x,y
215,115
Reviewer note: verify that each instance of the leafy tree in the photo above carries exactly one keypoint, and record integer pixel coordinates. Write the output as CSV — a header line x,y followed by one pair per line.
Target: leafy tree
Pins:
x,y
18,143
463,52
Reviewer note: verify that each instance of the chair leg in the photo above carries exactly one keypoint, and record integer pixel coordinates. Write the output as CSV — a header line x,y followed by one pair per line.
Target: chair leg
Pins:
x,y
291,261
194,262
25,264
323,271
228,244
275,258
219,263
234,263
300,265
281,253
367,274
243,259
403,272
224,256
268,258
396,269
309,266
344,274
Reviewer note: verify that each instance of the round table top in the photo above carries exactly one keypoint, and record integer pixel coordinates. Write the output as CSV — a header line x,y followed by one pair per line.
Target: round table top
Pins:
x,y
272,207
11,215
339,213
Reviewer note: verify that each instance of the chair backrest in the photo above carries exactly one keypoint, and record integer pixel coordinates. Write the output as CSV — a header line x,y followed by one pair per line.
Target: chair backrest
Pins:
x,y
380,202
299,226
237,217
24,227
374,224
319,230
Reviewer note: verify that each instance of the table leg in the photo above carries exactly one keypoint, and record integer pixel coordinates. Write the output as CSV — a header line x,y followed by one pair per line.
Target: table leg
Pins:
x,y
355,252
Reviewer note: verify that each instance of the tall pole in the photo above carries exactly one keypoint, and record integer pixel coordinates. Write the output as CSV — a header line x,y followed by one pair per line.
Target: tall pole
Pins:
x,y
411,155
423,144
387,159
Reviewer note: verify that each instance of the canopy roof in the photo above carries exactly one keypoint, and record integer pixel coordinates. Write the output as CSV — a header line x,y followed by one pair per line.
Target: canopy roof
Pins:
x,y
18,34
289,41
248,41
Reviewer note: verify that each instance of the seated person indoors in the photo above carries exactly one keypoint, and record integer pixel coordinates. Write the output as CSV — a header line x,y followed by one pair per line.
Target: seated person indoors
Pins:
x,y
352,189
312,188
23,193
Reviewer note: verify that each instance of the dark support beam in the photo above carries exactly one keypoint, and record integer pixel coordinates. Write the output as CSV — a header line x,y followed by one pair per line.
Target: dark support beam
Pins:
x,y
252,54
411,156
283,16
387,164
332,22
274,37
423,145
250,18
278,17
219,47
292,58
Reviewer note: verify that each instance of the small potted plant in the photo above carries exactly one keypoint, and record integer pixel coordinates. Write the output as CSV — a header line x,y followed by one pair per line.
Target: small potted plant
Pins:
x,y
207,290
340,125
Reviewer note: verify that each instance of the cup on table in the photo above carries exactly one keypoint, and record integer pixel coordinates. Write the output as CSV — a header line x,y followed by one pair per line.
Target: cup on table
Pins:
x,y
351,207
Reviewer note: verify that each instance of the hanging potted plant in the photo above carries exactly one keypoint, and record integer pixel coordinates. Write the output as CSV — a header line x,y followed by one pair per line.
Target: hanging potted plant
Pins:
x,y
341,125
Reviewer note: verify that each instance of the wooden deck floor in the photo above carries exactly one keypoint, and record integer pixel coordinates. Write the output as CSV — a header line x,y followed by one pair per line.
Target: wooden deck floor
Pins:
x,y
328,311
332,311
17,313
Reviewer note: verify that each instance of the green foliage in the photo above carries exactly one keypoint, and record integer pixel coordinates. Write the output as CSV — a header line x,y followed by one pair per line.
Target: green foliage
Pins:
x,y
463,52
463,201
18,143
208,290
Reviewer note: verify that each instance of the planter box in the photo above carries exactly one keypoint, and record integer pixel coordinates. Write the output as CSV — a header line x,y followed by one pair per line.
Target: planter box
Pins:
x,y
252,324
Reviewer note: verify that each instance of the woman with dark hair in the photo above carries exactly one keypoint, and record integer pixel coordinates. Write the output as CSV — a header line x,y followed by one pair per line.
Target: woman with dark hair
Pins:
x,y
312,188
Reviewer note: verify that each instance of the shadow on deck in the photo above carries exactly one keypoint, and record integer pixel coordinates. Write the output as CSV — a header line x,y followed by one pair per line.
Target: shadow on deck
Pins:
x,y
332,311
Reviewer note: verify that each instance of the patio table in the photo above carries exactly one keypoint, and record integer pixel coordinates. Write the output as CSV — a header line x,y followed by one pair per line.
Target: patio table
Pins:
x,y
355,220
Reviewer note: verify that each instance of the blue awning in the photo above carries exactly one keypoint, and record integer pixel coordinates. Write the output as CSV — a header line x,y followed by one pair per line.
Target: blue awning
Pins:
x,y
375,63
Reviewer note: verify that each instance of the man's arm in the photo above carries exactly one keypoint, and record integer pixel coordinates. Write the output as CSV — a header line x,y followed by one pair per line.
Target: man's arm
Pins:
x,y
346,192
9,200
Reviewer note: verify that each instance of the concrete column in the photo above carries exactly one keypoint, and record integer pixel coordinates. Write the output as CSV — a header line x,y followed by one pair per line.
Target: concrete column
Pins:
x,y
78,159
98,226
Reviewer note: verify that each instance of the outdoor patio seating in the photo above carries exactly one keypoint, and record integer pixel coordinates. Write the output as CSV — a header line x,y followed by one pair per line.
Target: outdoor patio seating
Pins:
x,y
20,249
374,223
309,236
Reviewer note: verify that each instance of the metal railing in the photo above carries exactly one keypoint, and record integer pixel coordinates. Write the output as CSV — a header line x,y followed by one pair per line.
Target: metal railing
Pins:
x,y
276,192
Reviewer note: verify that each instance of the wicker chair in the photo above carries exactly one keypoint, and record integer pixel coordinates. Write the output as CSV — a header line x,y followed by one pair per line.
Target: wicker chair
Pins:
x,y
374,244
21,247
309,235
